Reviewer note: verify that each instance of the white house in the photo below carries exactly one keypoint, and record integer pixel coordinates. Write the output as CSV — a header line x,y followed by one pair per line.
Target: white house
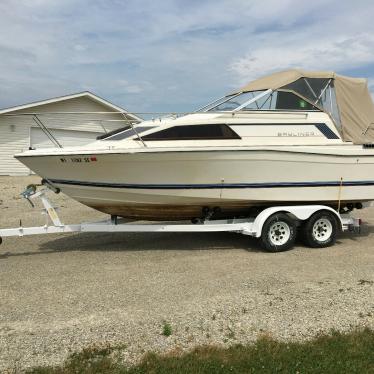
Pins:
x,y
73,120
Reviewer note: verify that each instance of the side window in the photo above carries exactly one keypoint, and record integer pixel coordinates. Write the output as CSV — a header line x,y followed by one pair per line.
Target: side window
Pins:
x,y
288,100
194,132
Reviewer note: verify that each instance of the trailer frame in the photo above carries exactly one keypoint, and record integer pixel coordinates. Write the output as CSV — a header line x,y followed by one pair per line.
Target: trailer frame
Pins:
x,y
252,226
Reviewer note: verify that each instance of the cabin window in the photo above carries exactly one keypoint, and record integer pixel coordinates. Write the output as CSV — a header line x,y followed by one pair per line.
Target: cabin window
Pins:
x,y
194,132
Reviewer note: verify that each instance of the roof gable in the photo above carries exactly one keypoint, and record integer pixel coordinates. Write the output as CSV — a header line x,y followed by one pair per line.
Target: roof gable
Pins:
x,y
85,94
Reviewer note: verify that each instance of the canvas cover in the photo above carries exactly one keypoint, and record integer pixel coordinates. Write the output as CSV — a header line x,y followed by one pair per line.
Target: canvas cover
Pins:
x,y
355,105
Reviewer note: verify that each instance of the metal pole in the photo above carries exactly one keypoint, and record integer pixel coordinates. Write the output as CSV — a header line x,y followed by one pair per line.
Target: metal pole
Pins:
x,y
262,94
228,98
46,131
330,100
137,134
323,91
310,88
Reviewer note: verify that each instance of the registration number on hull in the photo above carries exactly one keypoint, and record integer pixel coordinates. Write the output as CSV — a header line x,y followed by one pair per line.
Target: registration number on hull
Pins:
x,y
78,159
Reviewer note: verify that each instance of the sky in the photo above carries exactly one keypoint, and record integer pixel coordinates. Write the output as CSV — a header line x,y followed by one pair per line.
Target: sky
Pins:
x,y
173,55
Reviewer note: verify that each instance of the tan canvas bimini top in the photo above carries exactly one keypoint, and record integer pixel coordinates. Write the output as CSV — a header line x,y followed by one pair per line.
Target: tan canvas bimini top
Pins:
x,y
353,99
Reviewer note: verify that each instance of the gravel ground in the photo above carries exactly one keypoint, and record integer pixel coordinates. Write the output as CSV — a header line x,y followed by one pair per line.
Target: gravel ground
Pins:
x,y
61,293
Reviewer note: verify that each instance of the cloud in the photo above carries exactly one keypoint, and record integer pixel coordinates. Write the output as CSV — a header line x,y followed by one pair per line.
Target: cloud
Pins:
x,y
172,55
134,88
329,36
341,53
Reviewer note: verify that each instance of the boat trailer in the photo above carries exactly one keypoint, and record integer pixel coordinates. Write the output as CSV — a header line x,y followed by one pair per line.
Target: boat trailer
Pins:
x,y
255,226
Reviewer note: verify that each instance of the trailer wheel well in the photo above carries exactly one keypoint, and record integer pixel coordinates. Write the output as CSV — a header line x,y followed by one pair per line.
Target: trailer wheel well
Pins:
x,y
297,212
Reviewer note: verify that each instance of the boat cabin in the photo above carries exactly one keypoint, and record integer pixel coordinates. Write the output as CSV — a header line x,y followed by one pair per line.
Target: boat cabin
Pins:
x,y
289,107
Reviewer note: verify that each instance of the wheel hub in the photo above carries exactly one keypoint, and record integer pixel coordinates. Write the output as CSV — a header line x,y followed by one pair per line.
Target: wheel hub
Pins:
x,y
322,229
279,233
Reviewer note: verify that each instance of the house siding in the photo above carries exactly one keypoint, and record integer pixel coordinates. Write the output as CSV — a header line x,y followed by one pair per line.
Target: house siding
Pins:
x,y
15,130
14,138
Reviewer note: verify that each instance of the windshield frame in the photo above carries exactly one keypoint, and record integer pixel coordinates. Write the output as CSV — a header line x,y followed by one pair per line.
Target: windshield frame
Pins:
x,y
128,133
261,93
215,103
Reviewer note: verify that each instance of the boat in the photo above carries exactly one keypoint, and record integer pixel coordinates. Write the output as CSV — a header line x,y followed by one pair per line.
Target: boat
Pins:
x,y
289,138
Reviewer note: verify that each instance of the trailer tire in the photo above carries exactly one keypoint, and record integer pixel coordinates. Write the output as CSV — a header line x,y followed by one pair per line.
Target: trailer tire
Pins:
x,y
320,230
278,233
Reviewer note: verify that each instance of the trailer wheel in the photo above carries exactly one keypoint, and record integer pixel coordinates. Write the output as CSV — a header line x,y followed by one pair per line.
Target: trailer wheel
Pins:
x,y
278,233
320,230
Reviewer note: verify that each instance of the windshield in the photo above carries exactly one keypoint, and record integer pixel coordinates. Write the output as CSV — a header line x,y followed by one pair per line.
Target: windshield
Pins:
x,y
260,100
127,133
110,133
232,102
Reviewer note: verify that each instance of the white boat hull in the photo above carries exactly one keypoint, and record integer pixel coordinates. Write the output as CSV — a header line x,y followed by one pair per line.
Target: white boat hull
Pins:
x,y
167,185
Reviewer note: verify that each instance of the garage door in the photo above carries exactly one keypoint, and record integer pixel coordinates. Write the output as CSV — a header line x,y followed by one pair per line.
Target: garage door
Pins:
x,y
67,138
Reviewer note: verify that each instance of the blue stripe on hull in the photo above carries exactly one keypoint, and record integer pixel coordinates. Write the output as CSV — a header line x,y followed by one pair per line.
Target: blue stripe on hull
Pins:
x,y
213,186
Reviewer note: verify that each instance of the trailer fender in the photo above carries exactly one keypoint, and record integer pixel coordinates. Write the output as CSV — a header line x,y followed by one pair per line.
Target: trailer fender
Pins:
x,y
300,212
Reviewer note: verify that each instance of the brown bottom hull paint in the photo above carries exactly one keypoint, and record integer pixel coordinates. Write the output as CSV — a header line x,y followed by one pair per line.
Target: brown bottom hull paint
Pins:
x,y
168,212
153,212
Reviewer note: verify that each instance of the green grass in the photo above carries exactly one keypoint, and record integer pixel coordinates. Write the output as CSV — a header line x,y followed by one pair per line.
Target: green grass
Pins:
x,y
335,353
166,329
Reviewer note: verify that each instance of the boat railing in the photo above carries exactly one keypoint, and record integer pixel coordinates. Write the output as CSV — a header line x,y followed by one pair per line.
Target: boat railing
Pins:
x,y
100,118
41,119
